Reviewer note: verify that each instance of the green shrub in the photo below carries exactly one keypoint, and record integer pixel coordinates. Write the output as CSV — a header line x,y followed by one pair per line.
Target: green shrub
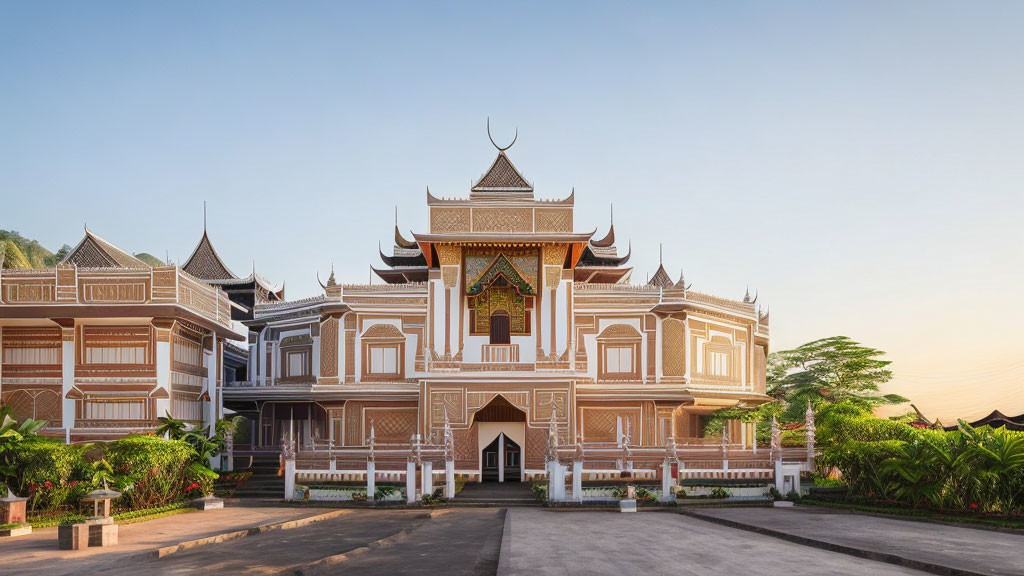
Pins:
x,y
54,475
153,471
719,492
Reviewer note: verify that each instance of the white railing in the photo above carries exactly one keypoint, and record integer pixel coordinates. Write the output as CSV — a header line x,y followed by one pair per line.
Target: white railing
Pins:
x,y
499,353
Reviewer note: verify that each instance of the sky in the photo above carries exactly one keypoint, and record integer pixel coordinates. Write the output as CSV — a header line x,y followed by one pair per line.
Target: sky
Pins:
x,y
856,164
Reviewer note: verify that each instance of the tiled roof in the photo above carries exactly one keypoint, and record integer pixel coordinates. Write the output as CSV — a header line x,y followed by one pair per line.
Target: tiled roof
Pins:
x,y
95,252
502,175
205,264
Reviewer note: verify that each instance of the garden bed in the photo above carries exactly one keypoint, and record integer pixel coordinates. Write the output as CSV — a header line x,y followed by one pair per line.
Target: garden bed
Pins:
x,y
1008,523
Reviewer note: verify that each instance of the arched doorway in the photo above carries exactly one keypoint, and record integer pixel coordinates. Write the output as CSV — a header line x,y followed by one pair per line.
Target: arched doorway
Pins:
x,y
502,434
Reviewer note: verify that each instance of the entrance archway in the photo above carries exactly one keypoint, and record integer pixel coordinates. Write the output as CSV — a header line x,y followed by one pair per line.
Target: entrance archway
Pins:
x,y
501,428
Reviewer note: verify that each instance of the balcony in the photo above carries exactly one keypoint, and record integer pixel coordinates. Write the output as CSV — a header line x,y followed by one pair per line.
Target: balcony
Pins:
x,y
499,353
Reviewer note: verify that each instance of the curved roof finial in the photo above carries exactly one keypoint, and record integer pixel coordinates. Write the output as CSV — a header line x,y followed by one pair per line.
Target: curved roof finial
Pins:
x,y
319,281
204,216
500,149
611,217
661,253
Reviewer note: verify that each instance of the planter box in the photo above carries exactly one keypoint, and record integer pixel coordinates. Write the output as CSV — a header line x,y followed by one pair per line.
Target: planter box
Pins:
x,y
782,504
101,535
22,530
627,505
73,537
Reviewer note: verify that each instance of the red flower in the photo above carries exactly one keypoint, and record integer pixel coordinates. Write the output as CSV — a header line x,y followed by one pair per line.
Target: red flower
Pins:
x,y
72,483
192,487
871,494
32,486
974,506
47,484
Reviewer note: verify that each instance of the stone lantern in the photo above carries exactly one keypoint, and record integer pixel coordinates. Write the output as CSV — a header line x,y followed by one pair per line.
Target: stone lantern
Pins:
x,y
12,511
102,530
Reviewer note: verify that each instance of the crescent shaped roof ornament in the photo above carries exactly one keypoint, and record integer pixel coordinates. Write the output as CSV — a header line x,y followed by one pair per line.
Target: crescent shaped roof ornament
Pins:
x,y
319,281
500,149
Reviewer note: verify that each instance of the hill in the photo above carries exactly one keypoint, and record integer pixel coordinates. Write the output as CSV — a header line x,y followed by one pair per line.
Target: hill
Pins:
x,y
20,252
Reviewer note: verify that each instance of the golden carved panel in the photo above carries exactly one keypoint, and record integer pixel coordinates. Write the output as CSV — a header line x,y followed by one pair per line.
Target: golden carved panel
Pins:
x,y
444,220
449,254
329,348
673,358
555,255
450,276
502,220
553,220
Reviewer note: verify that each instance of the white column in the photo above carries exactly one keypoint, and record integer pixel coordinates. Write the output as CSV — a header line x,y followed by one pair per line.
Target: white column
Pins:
x,y
163,376
371,479
501,457
67,383
449,479
212,366
666,481
289,479
410,482
577,480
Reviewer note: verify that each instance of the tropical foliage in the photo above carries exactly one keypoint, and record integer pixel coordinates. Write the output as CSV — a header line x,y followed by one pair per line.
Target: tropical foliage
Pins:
x,y
149,471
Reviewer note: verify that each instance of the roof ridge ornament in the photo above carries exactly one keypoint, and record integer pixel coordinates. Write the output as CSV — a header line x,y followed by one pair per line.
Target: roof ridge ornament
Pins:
x,y
500,149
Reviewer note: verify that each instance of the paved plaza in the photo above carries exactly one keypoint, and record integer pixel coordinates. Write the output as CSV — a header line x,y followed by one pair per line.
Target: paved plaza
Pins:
x,y
525,540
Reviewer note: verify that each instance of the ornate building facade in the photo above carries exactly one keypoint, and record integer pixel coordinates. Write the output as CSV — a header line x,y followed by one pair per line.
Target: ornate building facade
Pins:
x,y
103,344
503,322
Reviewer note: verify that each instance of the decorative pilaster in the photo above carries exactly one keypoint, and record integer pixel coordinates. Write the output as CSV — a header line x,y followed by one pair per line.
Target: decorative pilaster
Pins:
x,y
810,429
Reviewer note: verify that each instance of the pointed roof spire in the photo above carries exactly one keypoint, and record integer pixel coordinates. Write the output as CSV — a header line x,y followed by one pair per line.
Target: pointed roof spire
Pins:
x,y
609,239
681,283
661,277
746,297
205,263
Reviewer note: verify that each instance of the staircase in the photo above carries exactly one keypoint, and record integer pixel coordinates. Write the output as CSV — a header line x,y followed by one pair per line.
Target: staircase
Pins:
x,y
495,495
265,483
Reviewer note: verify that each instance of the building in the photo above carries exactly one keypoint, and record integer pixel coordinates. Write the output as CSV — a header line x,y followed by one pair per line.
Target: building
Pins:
x,y
504,322
103,344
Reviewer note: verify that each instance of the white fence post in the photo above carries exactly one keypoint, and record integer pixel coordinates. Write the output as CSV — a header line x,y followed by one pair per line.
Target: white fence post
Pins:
x,y
371,480
449,479
577,480
410,481
666,481
428,478
289,479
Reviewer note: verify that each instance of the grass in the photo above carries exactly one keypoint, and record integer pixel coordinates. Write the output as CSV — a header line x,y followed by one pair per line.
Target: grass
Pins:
x,y
127,517
922,513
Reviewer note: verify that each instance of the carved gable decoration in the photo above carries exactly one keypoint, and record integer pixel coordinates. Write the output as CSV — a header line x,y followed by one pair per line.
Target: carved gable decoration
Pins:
x,y
501,267
525,261
619,332
502,175
383,332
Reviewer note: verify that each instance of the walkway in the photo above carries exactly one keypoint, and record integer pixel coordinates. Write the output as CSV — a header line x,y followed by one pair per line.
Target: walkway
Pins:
x,y
916,544
547,542
25,554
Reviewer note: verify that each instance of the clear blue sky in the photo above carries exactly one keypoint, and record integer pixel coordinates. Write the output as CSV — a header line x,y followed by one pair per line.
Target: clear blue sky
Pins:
x,y
859,163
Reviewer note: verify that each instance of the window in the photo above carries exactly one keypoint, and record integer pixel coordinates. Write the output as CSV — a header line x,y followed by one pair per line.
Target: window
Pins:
x,y
128,409
297,364
115,355
618,359
32,356
383,360
719,364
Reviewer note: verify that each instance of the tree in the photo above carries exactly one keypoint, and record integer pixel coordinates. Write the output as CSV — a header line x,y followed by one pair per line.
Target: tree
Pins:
x,y
832,370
